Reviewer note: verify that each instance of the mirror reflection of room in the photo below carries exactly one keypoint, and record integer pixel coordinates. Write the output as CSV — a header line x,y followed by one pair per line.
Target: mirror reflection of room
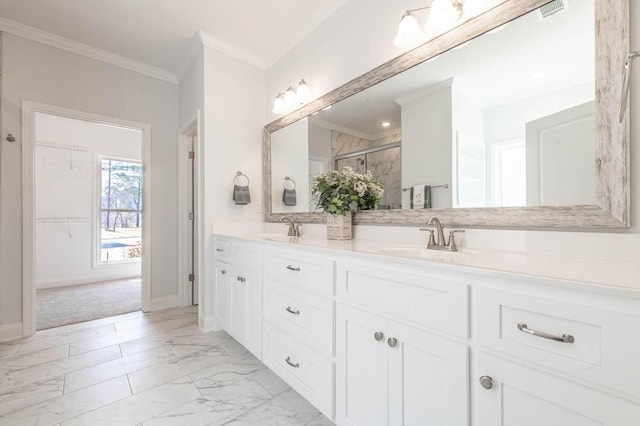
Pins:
x,y
507,119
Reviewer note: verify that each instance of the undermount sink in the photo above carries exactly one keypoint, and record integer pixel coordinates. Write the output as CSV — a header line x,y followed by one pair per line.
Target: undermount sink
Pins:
x,y
419,253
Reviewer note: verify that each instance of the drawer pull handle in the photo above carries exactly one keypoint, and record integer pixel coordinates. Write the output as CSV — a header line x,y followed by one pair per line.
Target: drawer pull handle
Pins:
x,y
219,249
486,382
241,279
291,268
288,361
378,335
392,342
565,338
291,311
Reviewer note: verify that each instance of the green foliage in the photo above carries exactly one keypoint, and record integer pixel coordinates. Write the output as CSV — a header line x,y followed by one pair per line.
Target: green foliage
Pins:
x,y
339,192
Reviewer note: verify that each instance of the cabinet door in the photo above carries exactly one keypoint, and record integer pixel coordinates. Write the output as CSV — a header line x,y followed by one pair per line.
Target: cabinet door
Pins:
x,y
238,309
522,396
428,379
361,368
221,296
253,333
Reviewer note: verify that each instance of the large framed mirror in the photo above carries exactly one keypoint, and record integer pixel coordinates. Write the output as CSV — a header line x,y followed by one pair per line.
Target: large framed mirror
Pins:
x,y
508,120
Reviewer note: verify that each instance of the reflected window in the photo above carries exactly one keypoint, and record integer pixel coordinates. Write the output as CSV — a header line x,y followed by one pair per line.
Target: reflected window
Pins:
x,y
508,173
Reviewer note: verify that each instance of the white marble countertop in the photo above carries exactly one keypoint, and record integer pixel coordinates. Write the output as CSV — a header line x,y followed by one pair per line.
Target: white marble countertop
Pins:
x,y
605,274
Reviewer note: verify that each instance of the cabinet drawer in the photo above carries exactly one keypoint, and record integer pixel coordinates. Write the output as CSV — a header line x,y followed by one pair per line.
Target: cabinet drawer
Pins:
x,y
302,368
522,396
307,272
222,251
246,256
424,300
586,342
305,316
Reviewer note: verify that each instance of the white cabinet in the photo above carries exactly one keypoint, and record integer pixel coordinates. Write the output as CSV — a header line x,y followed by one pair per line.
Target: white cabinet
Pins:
x,y
392,374
221,294
238,292
362,380
376,342
521,396
245,308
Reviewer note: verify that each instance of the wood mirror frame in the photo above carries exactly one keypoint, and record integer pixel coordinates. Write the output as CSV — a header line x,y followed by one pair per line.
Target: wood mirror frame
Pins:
x,y
612,152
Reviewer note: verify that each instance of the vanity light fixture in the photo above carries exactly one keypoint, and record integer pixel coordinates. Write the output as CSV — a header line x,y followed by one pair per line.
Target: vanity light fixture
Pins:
x,y
292,99
444,15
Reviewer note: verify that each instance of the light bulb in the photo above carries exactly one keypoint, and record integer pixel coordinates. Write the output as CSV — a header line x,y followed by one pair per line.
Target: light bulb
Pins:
x,y
290,100
303,93
278,104
443,16
409,34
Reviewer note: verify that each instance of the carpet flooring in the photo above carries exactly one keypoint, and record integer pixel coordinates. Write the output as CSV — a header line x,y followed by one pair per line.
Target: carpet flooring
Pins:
x,y
78,303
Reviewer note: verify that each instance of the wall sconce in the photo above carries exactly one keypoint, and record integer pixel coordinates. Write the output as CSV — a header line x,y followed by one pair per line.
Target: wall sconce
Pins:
x,y
444,15
292,99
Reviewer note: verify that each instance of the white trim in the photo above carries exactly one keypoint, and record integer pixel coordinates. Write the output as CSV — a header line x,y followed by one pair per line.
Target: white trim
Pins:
x,y
207,324
83,280
28,202
165,302
10,331
192,125
224,47
37,35
424,92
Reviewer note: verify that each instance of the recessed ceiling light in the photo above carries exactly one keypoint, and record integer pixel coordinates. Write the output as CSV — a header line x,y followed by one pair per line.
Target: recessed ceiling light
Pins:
x,y
385,124
538,75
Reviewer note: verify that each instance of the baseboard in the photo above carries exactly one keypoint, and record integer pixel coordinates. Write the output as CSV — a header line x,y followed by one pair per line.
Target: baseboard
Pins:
x,y
164,302
10,331
208,324
82,280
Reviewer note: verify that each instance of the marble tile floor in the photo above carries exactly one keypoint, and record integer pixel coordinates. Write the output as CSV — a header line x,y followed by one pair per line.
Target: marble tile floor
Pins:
x,y
136,369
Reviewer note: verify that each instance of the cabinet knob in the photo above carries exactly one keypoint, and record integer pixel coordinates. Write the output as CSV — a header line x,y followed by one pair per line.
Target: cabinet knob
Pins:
x,y
223,272
486,382
392,341
378,335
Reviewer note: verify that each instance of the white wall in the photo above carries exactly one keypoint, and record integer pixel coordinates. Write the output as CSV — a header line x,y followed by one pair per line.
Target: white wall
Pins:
x,y
63,257
36,72
233,121
290,157
358,37
507,122
427,128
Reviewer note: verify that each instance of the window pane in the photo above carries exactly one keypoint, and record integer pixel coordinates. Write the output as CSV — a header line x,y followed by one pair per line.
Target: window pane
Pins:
x,y
121,185
121,239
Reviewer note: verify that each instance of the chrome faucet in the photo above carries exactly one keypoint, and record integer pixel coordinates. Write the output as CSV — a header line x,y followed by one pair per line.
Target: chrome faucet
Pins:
x,y
294,228
437,242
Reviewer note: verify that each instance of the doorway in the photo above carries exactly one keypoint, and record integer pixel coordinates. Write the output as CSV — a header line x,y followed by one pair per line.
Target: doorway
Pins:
x,y
86,240
189,241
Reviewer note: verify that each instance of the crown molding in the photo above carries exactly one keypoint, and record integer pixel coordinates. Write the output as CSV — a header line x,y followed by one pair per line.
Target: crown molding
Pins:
x,y
226,48
85,50
425,92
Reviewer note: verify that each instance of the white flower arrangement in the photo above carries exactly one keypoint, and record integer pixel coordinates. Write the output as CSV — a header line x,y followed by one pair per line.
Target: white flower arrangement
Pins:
x,y
339,192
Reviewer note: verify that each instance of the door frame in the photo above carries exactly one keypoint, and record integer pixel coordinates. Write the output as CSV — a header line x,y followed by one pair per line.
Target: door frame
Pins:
x,y
194,124
29,108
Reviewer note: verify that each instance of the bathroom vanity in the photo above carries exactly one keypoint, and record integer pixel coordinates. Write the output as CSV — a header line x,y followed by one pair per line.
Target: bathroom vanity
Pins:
x,y
378,335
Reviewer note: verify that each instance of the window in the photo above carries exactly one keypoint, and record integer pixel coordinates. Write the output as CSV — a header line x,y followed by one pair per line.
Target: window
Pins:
x,y
120,210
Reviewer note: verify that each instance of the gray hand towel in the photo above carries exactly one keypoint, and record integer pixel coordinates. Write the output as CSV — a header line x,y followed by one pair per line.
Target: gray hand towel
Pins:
x,y
241,194
289,197
427,197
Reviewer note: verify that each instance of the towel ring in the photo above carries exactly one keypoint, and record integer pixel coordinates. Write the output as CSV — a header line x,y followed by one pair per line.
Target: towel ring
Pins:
x,y
288,179
238,175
